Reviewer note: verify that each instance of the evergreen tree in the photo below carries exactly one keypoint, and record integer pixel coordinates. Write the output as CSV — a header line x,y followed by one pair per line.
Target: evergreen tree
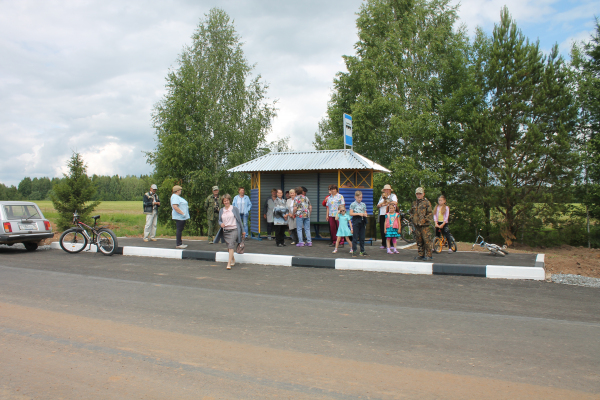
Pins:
x,y
520,149
74,192
213,117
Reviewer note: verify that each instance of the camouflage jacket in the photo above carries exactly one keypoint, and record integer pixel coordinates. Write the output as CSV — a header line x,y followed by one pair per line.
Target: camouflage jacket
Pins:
x,y
421,213
212,212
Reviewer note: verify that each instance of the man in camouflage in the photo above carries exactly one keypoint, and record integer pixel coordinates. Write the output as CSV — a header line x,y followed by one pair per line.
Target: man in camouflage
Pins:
x,y
422,216
212,205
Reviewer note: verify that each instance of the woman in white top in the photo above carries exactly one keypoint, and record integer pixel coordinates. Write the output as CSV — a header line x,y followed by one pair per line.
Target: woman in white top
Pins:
x,y
387,198
292,217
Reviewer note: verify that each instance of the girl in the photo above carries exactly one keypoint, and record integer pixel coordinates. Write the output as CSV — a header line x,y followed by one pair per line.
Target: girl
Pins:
x,y
440,217
343,231
392,228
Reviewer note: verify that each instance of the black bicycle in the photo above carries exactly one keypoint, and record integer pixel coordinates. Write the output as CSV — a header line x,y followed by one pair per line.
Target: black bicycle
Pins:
x,y
76,239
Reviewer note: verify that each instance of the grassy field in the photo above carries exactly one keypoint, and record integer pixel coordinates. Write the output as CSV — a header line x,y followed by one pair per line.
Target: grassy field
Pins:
x,y
125,218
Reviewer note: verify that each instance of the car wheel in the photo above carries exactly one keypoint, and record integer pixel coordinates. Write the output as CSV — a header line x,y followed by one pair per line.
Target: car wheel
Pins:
x,y
30,246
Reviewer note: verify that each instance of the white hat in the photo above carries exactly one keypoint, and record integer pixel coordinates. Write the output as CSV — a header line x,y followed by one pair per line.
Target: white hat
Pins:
x,y
153,186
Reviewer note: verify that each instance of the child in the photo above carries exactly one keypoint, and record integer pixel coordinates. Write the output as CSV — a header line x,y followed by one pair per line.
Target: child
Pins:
x,y
440,218
343,231
392,228
358,212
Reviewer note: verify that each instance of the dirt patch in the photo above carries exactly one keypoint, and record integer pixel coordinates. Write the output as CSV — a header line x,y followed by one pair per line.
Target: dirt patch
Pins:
x,y
559,260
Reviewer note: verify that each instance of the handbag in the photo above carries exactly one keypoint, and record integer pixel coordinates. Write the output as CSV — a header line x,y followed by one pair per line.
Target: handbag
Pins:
x,y
240,246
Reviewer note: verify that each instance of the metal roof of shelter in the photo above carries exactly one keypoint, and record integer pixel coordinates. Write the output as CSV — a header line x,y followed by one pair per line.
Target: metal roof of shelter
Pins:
x,y
317,160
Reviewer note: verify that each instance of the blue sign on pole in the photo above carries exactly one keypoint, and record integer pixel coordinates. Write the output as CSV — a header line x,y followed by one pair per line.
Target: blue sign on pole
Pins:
x,y
347,130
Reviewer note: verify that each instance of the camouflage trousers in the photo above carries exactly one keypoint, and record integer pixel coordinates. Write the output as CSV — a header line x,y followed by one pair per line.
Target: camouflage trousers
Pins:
x,y
213,228
423,237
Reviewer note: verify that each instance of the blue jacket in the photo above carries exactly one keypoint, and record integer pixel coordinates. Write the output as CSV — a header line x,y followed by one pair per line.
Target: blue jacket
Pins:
x,y
243,205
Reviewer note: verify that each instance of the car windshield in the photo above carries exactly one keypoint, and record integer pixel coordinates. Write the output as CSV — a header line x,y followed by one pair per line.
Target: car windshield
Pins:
x,y
21,211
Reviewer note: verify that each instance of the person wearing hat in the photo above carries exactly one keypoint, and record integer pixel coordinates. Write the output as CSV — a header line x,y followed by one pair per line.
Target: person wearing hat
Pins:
x,y
212,205
180,214
151,204
422,216
387,198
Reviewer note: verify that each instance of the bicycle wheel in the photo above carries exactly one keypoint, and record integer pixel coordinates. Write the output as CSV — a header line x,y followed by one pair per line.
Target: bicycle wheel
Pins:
x,y
453,244
438,244
73,241
496,251
408,233
106,241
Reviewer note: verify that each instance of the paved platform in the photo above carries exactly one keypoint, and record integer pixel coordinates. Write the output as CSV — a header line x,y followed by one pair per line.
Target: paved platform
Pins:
x,y
513,266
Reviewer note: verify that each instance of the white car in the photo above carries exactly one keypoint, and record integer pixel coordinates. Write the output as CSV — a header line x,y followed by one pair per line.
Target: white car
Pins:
x,y
23,222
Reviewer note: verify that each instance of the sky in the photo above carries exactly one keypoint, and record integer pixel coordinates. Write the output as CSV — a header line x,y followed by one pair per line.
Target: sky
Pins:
x,y
84,75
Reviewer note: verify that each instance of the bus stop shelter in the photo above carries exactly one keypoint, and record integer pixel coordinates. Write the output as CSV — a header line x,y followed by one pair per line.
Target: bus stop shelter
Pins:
x,y
315,170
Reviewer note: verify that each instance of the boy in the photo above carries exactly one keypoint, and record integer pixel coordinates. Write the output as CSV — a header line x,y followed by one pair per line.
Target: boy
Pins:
x,y
358,212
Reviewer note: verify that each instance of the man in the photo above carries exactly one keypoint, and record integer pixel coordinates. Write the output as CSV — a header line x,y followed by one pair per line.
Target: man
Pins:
x,y
334,201
422,215
212,205
243,204
387,198
151,204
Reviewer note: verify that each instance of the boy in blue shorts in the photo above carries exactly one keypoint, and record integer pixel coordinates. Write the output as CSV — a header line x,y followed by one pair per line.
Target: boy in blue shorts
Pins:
x,y
358,212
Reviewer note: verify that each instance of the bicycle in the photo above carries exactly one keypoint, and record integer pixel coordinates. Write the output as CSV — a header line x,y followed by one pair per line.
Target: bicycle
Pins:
x,y
439,242
408,228
493,248
76,239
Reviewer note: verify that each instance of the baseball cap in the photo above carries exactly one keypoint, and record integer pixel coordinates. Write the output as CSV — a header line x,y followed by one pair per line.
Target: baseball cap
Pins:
x,y
420,190
215,188
176,188
153,186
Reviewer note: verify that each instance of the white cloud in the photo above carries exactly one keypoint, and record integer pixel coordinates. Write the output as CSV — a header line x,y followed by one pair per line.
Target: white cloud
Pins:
x,y
84,75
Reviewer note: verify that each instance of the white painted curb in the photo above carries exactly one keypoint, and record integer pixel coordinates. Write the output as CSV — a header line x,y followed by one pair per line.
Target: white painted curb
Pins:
x,y
508,272
384,266
152,252
255,258
88,248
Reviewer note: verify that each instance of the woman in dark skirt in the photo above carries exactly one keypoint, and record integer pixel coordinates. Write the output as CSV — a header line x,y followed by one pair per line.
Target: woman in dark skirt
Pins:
x,y
231,231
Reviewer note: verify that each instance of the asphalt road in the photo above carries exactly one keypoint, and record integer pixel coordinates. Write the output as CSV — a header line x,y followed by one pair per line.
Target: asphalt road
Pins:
x,y
89,326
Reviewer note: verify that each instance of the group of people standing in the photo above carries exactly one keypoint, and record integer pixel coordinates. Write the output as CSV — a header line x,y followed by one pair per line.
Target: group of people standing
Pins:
x,y
228,219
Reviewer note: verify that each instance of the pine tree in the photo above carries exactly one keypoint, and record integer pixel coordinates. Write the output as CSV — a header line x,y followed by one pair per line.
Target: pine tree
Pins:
x,y
74,193
520,148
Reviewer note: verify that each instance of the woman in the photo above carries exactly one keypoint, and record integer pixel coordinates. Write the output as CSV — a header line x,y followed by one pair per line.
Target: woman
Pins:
x,y
280,216
180,214
232,230
292,217
302,210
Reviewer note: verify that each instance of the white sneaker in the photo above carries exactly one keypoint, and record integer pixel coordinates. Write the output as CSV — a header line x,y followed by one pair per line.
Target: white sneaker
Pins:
x,y
183,246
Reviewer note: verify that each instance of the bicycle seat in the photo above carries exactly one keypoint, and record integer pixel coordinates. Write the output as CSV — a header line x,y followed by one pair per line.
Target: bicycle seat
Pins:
x,y
95,217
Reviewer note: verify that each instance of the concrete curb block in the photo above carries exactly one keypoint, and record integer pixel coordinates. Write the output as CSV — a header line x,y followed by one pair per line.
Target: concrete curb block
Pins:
x,y
152,252
313,262
358,264
510,272
88,249
463,270
401,267
256,258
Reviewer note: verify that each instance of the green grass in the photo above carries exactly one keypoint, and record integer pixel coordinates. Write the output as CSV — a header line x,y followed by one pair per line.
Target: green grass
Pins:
x,y
125,218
